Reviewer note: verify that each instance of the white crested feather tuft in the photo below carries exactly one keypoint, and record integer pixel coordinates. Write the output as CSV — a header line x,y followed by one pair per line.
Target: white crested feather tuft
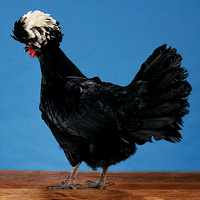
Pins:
x,y
39,25
38,19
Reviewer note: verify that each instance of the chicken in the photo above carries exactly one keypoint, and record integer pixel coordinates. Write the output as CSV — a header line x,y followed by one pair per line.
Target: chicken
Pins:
x,y
98,122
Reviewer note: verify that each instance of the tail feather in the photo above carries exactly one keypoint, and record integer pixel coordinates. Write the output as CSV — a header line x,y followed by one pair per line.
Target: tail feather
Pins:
x,y
171,94
157,123
162,90
161,110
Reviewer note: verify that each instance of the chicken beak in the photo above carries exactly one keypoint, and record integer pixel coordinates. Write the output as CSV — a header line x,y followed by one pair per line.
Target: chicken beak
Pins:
x,y
26,48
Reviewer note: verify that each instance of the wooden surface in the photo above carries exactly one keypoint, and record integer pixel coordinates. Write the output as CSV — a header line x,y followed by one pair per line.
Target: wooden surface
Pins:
x,y
26,185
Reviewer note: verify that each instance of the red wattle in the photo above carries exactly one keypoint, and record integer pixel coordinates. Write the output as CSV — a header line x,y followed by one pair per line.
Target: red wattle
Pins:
x,y
32,52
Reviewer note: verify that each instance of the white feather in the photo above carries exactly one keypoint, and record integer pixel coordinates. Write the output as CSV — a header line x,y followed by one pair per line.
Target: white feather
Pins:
x,y
42,21
38,19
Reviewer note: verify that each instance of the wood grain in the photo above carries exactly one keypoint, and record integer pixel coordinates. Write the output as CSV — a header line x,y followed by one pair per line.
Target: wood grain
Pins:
x,y
29,185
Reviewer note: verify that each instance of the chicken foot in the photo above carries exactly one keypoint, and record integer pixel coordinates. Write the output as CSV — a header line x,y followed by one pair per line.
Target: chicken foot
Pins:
x,y
68,184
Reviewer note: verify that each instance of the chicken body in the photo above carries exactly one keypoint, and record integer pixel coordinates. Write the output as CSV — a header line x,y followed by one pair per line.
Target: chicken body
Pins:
x,y
97,122
83,114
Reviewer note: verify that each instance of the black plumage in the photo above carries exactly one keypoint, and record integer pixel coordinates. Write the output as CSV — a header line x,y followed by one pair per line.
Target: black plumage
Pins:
x,y
100,123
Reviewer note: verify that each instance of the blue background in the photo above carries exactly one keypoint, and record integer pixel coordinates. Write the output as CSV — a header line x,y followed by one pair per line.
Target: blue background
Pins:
x,y
109,39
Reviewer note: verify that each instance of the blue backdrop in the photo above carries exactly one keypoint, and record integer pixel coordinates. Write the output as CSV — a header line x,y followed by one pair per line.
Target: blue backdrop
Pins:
x,y
109,39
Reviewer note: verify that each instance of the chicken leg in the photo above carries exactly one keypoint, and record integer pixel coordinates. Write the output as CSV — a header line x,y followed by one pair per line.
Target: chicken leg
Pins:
x,y
68,184
101,183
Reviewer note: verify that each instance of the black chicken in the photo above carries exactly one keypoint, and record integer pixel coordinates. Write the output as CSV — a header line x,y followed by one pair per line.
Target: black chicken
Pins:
x,y
97,122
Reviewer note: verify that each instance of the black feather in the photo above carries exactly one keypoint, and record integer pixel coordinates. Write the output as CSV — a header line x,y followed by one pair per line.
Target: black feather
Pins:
x,y
82,112
20,34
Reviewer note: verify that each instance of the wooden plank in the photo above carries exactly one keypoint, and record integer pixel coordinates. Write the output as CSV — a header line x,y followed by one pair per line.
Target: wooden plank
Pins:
x,y
29,185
